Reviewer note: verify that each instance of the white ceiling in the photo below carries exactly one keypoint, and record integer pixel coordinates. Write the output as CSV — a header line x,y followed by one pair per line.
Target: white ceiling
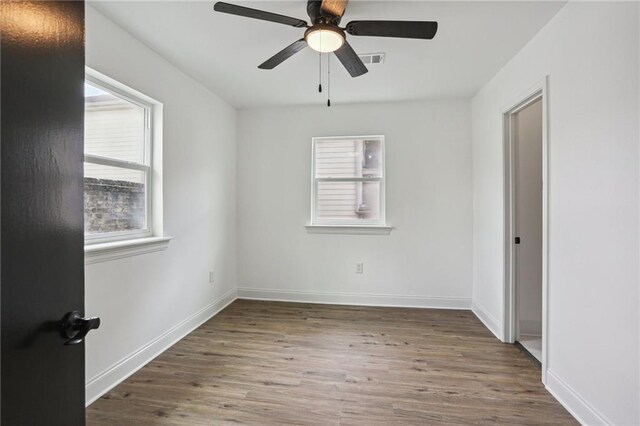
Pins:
x,y
475,39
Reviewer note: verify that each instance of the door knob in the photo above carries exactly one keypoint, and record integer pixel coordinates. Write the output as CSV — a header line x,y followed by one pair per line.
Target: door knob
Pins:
x,y
75,327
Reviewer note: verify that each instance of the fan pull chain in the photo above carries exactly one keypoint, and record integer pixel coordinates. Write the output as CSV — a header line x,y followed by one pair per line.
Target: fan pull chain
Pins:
x,y
328,79
320,67
320,72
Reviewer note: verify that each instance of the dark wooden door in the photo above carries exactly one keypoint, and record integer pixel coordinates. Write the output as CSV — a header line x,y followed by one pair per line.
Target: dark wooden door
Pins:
x,y
41,196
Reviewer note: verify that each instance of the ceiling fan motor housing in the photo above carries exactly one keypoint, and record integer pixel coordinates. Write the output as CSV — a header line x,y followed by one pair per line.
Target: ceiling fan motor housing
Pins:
x,y
325,27
319,16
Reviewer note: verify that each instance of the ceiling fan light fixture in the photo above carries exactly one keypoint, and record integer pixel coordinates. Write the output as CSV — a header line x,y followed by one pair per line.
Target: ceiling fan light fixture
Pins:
x,y
324,38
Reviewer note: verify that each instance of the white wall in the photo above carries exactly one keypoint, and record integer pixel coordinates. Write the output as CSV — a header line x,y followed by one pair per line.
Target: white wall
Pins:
x,y
426,261
590,52
144,300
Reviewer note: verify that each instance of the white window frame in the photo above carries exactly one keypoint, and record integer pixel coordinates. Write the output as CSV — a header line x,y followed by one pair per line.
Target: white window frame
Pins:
x,y
381,221
117,89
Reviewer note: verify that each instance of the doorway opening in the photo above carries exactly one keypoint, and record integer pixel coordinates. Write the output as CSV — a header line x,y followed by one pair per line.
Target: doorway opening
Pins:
x,y
525,143
527,138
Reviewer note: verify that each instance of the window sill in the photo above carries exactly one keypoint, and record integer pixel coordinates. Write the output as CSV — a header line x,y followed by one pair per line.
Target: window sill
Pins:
x,y
349,229
103,252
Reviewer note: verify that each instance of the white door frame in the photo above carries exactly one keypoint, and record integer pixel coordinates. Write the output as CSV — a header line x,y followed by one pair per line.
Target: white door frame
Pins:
x,y
510,329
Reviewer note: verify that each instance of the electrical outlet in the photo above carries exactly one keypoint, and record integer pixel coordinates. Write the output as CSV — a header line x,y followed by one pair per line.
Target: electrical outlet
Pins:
x,y
359,268
211,276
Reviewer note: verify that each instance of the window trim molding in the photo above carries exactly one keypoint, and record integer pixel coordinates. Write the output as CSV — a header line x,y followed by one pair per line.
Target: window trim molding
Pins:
x,y
152,161
350,229
344,225
106,251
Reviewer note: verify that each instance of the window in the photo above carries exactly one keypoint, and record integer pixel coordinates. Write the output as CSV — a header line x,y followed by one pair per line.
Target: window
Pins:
x,y
117,162
348,181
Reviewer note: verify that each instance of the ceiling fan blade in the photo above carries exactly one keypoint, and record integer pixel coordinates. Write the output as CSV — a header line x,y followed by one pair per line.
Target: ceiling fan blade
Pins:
x,y
403,29
258,14
334,7
351,60
283,55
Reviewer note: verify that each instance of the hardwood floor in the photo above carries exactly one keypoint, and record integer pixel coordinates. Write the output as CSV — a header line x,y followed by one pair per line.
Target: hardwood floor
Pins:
x,y
268,363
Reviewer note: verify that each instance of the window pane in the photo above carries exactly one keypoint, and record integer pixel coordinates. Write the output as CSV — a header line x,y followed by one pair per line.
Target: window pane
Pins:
x,y
348,201
114,199
372,163
113,127
348,158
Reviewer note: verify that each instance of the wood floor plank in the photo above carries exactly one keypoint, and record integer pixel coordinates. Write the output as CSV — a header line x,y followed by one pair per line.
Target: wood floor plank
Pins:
x,y
274,363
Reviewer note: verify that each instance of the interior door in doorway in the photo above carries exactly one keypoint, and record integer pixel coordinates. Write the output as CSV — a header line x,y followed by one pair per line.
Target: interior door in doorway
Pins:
x,y
42,226
528,226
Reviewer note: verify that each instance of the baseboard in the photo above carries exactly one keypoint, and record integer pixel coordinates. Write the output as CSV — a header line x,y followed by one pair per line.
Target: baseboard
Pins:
x,y
573,402
358,299
487,319
105,381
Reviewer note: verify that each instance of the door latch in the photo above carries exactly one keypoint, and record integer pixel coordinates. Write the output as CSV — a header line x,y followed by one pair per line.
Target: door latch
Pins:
x,y
75,327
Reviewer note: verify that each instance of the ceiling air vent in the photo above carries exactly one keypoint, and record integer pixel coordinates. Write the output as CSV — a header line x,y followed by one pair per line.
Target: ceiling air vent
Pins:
x,y
372,58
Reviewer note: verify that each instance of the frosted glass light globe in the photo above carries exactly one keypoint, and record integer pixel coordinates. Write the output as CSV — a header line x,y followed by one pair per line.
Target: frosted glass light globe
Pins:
x,y
324,40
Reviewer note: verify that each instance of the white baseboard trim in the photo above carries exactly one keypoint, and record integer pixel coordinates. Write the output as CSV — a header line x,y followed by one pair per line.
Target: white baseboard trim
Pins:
x,y
584,412
487,319
108,379
358,299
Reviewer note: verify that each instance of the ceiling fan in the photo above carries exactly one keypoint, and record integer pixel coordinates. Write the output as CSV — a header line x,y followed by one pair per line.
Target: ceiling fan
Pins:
x,y
325,35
